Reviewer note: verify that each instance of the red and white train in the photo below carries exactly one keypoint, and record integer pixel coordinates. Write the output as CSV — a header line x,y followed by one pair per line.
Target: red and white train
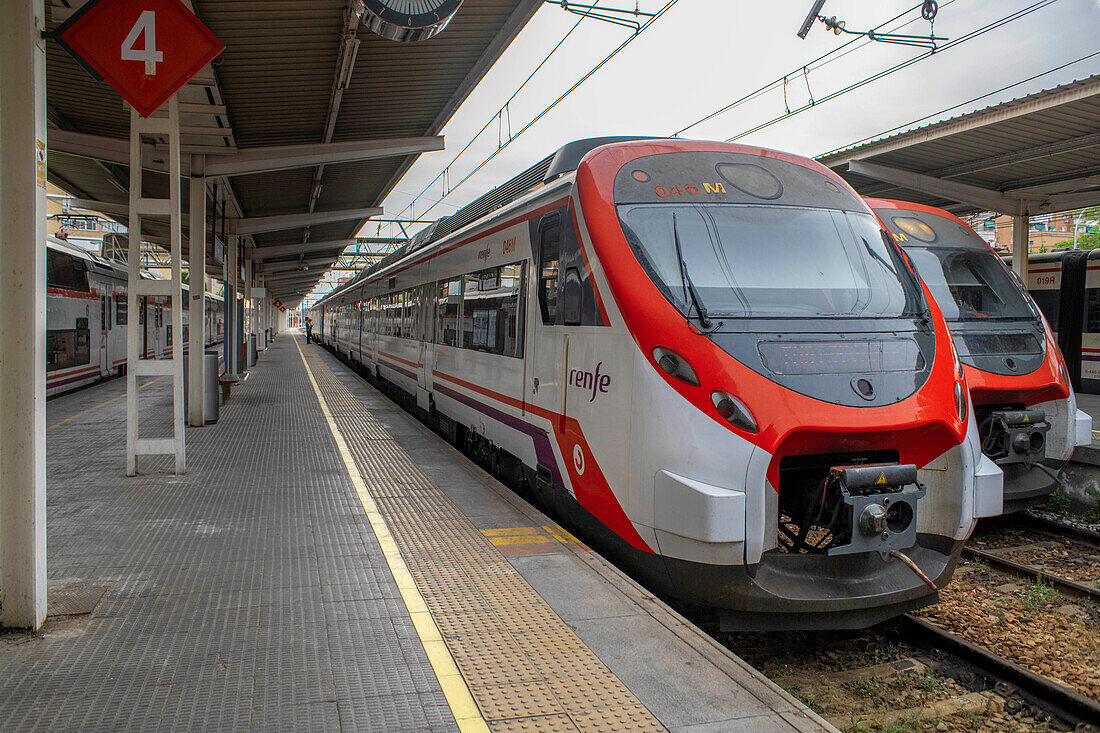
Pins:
x,y
1026,410
709,359
87,317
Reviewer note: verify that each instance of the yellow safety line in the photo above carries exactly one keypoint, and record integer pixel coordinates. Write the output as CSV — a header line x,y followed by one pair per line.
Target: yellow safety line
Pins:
x,y
101,404
458,696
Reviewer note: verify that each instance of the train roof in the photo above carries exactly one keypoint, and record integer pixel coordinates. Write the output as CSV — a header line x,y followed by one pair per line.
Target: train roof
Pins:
x,y
564,160
104,265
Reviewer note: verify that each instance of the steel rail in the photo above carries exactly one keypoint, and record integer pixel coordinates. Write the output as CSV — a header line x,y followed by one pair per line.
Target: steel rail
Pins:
x,y
1059,700
1061,530
1065,585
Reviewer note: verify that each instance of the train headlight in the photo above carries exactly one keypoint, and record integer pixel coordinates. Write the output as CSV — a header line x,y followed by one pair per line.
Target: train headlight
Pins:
x,y
960,400
1065,372
675,365
733,410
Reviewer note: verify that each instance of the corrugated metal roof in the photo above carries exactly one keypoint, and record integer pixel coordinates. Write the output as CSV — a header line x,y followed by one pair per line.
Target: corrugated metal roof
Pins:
x,y
275,80
1049,139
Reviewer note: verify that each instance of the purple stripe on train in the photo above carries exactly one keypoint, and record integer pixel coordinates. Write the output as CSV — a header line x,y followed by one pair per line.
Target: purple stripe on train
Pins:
x,y
543,450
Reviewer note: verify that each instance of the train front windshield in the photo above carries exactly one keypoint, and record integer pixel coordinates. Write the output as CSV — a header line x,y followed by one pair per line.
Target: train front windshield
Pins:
x,y
967,280
759,261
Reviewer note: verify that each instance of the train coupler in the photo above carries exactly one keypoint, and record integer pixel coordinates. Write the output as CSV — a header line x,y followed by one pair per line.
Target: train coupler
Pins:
x,y
881,502
1015,436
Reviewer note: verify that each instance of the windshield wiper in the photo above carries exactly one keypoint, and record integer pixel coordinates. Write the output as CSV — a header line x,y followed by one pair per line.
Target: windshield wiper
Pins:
x,y
700,309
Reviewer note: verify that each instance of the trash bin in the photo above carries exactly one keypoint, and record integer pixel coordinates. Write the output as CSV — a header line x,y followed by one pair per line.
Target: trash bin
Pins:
x,y
210,404
251,349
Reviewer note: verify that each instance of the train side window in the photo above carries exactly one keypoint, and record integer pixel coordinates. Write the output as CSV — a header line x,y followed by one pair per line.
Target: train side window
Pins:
x,y
549,257
571,297
122,308
67,348
104,313
447,301
1092,310
492,310
65,271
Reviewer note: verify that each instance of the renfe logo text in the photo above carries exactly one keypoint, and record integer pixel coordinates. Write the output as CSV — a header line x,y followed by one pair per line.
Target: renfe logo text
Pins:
x,y
590,380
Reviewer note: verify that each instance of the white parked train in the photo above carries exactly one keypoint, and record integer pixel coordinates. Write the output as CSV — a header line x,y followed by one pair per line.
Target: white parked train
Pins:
x,y
87,317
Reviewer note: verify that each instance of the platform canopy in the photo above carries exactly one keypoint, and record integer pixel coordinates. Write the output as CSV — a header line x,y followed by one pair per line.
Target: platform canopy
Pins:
x,y
304,124
1028,156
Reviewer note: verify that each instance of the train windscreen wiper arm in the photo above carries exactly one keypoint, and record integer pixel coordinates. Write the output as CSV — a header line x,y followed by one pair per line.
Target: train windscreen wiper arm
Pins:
x,y
700,309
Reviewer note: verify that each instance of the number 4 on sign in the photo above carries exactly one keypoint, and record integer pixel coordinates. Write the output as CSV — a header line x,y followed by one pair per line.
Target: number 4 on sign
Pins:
x,y
146,22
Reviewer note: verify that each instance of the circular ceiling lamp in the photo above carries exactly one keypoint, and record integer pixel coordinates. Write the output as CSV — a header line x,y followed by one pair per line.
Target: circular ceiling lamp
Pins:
x,y
408,21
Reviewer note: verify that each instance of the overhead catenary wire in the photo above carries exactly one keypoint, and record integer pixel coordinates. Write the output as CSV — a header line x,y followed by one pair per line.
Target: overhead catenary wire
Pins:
x,y
945,110
494,118
545,110
821,61
898,67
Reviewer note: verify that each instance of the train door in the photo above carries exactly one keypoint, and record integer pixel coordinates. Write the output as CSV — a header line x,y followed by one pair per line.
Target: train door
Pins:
x,y
104,330
547,344
425,328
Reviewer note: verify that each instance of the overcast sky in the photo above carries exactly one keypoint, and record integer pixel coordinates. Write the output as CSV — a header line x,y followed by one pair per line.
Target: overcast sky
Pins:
x,y
703,54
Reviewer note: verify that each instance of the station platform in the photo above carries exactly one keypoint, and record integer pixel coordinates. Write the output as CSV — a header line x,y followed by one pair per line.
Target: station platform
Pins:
x,y
328,563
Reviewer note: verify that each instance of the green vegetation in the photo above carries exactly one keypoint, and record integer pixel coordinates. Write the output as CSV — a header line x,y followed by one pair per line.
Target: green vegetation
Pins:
x,y
1092,514
1058,503
1038,593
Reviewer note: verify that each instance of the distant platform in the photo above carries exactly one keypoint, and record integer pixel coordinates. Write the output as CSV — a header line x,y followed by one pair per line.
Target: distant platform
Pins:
x,y
328,563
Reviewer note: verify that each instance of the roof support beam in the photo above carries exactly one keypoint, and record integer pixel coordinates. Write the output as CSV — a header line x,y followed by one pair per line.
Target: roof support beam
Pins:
x,y
283,157
1000,113
282,250
268,268
111,150
1060,147
257,224
982,197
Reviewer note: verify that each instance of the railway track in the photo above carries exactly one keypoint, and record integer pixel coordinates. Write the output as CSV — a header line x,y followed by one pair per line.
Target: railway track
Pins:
x,y
1058,700
1080,539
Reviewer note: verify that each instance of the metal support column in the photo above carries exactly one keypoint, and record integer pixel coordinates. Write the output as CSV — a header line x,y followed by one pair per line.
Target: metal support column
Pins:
x,y
1020,228
232,337
164,124
196,258
22,314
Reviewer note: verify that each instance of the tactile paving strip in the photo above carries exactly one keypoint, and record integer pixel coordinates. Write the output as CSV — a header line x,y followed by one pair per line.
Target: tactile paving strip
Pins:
x,y
526,669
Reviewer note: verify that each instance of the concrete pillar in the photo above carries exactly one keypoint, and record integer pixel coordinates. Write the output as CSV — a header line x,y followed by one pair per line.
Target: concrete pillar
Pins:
x,y
1020,227
22,314
197,307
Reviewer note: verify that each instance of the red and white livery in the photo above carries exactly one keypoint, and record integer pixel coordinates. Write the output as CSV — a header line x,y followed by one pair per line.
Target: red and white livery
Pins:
x,y
709,359
1024,403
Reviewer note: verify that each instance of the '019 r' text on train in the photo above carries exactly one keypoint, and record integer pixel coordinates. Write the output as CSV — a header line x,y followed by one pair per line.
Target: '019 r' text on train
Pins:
x,y
87,317
709,359
1024,404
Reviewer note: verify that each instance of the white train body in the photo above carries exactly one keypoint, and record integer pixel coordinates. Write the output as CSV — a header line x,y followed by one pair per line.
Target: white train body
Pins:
x,y
87,317
687,502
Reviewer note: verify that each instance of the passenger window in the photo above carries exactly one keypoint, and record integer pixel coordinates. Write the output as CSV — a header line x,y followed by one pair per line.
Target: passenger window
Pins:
x,y
492,310
549,246
122,307
448,300
65,271
571,296
67,347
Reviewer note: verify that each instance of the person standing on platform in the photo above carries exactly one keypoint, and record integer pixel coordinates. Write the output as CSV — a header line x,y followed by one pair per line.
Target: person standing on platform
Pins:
x,y
309,330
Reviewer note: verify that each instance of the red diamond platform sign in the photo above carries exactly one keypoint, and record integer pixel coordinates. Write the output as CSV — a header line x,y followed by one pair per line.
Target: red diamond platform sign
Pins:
x,y
146,49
